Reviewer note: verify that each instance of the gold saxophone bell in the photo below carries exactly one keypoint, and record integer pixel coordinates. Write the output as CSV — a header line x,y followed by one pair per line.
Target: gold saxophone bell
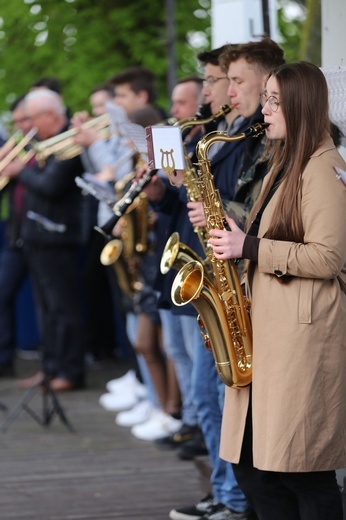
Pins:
x,y
176,254
192,286
113,254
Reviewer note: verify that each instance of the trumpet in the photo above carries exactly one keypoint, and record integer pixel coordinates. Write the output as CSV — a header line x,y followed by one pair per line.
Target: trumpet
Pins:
x,y
62,145
11,150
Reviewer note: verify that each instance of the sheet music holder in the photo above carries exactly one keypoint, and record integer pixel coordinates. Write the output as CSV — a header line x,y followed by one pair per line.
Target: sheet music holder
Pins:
x,y
166,152
165,148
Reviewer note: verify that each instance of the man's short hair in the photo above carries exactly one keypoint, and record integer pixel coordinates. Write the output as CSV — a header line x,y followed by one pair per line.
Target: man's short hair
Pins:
x,y
187,79
48,100
211,57
139,78
106,87
266,54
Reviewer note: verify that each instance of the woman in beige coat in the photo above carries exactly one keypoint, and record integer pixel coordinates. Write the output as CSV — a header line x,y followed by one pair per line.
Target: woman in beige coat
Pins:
x,y
286,433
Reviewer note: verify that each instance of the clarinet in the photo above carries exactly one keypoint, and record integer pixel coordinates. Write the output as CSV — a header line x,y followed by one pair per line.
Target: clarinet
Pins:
x,y
121,206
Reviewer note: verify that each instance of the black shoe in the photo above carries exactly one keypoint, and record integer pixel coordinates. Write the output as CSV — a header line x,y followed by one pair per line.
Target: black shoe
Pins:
x,y
184,434
191,449
7,370
204,506
221,512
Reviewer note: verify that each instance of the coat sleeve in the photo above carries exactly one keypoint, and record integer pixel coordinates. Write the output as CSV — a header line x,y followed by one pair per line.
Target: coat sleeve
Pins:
x,y
323,205
54,179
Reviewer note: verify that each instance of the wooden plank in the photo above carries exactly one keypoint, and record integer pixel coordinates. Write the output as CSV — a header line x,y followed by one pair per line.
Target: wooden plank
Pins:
x,y
100,472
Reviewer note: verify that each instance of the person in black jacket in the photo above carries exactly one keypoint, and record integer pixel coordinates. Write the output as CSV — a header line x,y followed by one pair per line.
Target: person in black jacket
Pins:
x,y
53,230
13,268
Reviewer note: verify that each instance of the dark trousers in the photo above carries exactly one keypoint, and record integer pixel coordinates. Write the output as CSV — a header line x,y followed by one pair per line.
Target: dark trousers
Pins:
x,y
56,275
13,271
287,496
99,307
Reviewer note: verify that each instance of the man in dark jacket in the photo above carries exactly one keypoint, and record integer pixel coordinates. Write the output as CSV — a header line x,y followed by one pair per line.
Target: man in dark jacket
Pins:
x,y
13,267
52,233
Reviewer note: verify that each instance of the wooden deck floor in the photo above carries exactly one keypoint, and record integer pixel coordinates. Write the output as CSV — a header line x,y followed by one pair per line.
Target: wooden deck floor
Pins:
x,y
100,472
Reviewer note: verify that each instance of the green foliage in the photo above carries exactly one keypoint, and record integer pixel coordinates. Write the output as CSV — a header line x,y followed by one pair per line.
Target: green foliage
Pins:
x,y
290,31
83,43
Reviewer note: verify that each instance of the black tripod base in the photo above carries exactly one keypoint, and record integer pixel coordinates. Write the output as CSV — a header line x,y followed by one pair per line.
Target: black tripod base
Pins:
x,y
50,407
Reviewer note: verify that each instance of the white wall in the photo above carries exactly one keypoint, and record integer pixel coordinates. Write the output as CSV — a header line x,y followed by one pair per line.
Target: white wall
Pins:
x,y
334,47
333,33
240,21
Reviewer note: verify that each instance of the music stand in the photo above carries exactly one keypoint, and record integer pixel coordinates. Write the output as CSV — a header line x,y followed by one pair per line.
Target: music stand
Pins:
x,y
50,407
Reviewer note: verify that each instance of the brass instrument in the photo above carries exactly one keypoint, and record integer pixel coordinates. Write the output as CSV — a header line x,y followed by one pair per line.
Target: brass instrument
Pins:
x,y
176,253
12,149
131,211
62,145
223,310
198,119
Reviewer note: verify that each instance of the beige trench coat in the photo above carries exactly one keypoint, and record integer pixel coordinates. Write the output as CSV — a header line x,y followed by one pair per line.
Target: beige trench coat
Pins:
x,y
299,331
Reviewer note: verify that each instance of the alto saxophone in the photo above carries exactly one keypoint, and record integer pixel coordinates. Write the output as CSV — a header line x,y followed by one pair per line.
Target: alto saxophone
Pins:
x,y
176,253
224,317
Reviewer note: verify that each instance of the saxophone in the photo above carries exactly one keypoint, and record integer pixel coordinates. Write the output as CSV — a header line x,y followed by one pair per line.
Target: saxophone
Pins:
x,y
224,317
123,253
176,253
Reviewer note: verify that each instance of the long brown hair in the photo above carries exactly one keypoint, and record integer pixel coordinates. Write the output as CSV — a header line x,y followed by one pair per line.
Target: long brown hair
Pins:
x,y
304,103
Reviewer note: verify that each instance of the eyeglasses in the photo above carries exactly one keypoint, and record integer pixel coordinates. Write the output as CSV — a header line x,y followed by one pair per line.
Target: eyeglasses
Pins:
x,y
20,120
38,114
211,80
272,100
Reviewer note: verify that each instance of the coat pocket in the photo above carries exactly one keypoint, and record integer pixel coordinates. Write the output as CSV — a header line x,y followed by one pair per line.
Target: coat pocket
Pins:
x,y
305,300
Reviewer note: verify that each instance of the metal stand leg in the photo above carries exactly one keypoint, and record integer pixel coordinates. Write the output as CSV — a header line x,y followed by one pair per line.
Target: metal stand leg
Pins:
x,y
51,406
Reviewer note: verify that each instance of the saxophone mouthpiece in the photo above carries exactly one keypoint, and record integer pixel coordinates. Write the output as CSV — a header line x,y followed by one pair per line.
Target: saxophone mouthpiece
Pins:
x,y
256,129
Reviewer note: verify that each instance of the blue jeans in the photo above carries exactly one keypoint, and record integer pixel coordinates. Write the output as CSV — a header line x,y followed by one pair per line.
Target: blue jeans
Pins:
x,y
208,392
178,340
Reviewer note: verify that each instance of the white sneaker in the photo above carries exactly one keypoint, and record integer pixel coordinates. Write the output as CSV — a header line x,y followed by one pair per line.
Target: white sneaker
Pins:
x,y
126,384
118,402
140,413
159,425
115,384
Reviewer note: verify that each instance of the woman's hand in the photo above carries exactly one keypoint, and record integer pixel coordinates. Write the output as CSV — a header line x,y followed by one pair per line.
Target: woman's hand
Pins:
x,y
227,244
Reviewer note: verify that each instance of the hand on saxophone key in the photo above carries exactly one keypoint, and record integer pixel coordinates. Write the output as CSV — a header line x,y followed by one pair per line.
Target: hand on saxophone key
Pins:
x,y
227,244
196,214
